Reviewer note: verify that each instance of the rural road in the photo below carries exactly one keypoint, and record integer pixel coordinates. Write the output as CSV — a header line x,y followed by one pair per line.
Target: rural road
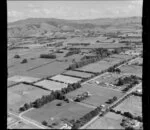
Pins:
x,y
28,120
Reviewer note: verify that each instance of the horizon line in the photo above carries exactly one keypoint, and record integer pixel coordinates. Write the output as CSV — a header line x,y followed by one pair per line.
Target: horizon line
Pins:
x,y
71,19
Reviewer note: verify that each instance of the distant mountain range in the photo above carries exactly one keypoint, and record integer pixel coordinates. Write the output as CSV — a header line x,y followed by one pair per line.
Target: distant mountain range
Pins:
x,y
41,26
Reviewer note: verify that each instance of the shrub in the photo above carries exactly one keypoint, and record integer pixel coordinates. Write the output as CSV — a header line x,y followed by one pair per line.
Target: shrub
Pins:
x,y
44,123
50,56
17,56
59,104
24,61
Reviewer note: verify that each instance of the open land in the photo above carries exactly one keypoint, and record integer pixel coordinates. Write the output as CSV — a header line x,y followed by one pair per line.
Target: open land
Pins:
x,y
101,65
132,69
66,79
78,74
109,121
133,104
53,113
51,85
18,78
22,93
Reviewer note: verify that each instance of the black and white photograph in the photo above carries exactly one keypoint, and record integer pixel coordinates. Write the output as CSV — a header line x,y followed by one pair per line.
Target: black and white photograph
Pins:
x,y
74,64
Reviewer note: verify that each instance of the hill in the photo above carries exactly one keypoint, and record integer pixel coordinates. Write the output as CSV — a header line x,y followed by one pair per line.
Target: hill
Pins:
x,y
41,26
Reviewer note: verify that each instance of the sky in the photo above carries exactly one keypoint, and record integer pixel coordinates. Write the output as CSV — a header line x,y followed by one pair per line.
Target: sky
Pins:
x,y
17,10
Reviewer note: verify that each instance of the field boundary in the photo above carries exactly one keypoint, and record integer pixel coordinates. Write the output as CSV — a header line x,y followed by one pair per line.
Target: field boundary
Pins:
x,y
40,65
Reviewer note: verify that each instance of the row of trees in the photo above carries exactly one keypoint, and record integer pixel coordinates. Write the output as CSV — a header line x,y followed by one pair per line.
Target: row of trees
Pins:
x,y
49,56
86,118
58,94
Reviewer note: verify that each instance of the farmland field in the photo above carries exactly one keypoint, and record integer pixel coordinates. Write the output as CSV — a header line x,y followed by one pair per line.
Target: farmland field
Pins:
x,y
101,65
108,77
46,70
78,74
18,78
132,69
53,113
19,68
122,56
132,104
109,121
99,95
66,79
27,53
138,60
51,85
22,93
102,45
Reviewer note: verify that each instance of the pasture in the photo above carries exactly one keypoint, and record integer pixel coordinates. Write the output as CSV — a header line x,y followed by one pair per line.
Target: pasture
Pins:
x,y
121,56
132,69
65,79
132,104
47,70
18,78
78,74
51,85
52,113
20,69
22,93
102,45
109,121
101,65
99,95
138,60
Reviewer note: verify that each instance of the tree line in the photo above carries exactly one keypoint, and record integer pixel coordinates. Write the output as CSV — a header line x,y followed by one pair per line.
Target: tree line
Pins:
x,y
49,56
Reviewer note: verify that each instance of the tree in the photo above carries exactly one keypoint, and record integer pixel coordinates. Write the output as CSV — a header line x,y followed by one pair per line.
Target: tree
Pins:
x,y
24,61
114,98
128,114
129,128
50,56
17,56
44,123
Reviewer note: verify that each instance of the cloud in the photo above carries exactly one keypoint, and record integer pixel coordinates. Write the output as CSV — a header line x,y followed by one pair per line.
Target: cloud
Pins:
x,y
14,13
35,10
